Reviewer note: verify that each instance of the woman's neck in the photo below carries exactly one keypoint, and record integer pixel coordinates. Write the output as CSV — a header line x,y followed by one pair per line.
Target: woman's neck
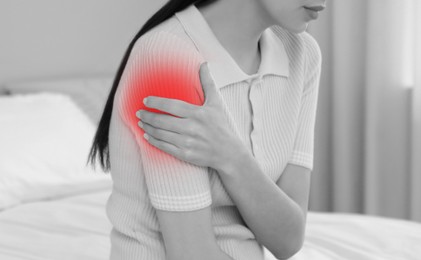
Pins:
x,y
238,25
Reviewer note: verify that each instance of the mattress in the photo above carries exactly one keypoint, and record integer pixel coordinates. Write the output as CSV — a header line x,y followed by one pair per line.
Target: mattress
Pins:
x,y
68,221
76,227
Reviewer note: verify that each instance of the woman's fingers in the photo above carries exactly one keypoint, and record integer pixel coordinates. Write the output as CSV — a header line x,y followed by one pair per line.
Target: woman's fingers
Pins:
x,y
163,135
172,143
162,121
174,107
208,84
164,146
181,108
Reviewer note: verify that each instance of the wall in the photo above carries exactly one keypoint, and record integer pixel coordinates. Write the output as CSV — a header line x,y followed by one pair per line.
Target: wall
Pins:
x,y
49,38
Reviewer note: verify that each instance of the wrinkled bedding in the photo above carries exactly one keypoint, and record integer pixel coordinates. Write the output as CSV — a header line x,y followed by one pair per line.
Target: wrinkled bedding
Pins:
x,y
76,227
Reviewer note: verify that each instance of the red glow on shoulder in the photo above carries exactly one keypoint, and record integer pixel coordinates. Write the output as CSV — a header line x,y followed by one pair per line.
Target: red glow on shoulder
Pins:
x,y
176,79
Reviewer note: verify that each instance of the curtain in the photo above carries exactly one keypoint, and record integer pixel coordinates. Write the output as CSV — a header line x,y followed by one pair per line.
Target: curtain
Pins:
x,y
368,128
416,118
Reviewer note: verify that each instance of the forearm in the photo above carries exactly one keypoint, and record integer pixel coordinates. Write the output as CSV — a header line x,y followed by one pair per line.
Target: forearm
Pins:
x,y
275,219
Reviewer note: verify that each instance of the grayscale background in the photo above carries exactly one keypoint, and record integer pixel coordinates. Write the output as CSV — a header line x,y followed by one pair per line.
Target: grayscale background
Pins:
x,y
363,143
368,130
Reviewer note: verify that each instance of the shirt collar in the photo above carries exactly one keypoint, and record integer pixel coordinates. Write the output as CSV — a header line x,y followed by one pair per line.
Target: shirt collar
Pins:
x,y
224,69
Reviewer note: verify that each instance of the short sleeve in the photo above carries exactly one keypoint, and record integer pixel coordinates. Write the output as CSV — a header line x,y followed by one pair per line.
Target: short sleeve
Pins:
x,y
303,150
165,65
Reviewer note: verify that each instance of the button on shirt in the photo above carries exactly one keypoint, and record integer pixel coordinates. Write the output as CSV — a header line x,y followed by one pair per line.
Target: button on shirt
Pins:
x,y
272,112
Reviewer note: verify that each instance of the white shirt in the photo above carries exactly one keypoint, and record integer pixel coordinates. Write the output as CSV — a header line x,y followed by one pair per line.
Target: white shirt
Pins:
x,y
272,112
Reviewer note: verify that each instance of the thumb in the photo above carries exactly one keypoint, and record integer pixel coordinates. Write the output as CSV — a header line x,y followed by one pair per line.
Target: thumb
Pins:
x,y
208,84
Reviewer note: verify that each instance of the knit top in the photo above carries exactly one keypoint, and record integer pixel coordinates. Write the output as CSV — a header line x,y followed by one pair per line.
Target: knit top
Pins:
x,y
272,112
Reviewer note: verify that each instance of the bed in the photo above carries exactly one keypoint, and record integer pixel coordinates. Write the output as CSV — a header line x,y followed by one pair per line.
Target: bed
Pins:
x,y
57,211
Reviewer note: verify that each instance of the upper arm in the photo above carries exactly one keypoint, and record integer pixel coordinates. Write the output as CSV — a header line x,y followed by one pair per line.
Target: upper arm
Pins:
x,y
163,65
302,152
295,180
188,235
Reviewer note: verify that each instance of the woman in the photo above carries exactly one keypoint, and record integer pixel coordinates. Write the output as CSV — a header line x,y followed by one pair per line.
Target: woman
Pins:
x,y
216,162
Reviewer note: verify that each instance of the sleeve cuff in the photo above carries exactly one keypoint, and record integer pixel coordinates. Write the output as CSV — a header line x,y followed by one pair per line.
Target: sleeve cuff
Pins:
x,y
302,159
183,203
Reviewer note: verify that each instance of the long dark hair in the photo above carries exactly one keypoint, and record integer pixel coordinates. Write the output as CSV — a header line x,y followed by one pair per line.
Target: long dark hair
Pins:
x,y
100,141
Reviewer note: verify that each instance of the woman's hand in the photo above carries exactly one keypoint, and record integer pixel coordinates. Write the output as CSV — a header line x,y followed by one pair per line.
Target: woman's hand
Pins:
x,y
200,135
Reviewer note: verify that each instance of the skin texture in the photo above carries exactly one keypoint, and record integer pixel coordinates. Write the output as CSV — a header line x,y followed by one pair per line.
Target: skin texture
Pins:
x,y
278,223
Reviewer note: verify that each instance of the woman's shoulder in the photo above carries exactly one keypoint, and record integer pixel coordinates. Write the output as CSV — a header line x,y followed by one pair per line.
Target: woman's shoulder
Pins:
x,y
312,47
297,42
167,36
300,47
160,61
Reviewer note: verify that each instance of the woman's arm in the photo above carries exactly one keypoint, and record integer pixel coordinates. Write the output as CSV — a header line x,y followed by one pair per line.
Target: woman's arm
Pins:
x,y
189,235
275,218
179,191
276,213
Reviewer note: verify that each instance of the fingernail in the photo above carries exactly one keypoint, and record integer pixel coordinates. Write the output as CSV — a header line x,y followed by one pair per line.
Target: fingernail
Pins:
x,y
140,124
138,114
144,100
146,136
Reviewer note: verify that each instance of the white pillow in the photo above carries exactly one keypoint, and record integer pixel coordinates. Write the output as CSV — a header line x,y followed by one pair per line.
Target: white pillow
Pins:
x,y
44,143
89,93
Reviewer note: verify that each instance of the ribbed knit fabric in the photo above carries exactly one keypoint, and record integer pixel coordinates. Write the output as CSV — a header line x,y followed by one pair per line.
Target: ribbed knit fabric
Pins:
x,y
273,113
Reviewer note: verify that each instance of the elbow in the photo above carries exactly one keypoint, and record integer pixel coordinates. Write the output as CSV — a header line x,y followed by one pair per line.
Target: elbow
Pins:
x,y
290,250
294,243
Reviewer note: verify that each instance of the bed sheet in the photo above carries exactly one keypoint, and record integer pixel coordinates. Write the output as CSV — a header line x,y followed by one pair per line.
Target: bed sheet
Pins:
x,y
69,228
76,227
340,236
